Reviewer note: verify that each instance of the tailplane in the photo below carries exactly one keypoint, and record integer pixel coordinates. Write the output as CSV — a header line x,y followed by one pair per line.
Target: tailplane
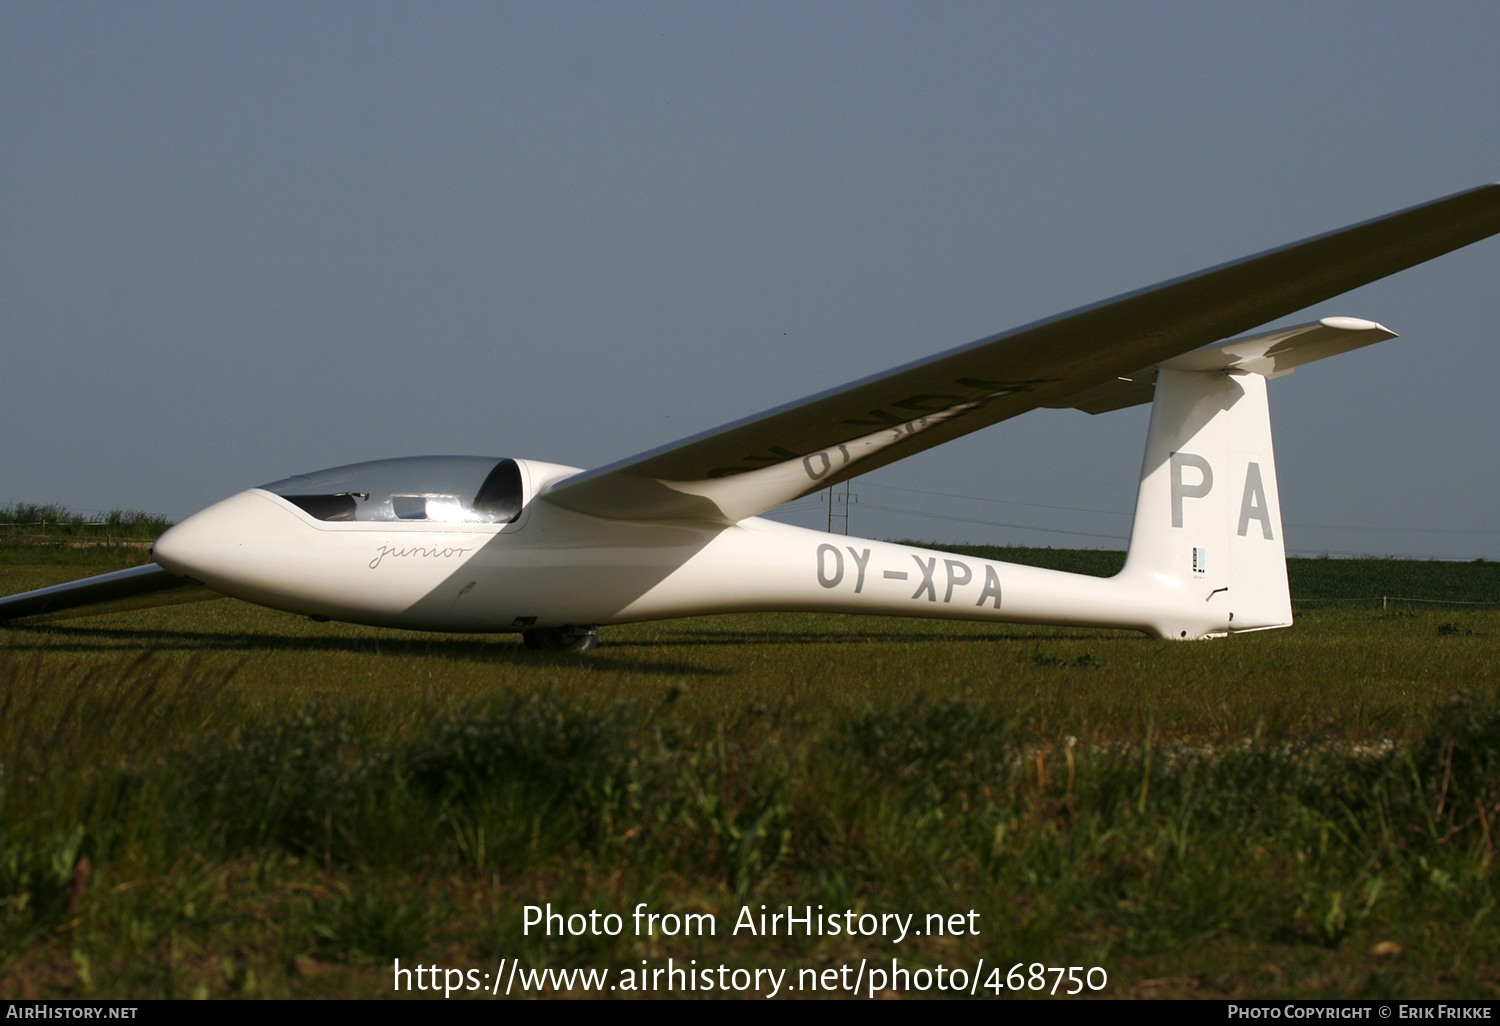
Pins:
x,y
1207,528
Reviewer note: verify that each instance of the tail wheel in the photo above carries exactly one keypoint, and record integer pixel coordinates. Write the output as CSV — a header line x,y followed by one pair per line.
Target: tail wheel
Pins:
x,y
572,638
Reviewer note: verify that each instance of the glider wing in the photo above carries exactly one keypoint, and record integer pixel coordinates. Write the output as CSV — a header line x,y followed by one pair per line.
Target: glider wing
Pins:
x,y
136,588
755,464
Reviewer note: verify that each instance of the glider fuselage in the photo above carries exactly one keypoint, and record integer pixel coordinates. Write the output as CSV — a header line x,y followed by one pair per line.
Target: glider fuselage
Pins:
x,y
553,567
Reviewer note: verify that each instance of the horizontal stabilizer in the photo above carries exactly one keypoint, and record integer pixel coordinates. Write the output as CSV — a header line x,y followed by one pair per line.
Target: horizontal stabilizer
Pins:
x,y
1271,355
139,587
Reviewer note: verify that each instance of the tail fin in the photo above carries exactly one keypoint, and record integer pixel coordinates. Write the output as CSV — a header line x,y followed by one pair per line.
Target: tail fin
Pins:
x,y
1208,516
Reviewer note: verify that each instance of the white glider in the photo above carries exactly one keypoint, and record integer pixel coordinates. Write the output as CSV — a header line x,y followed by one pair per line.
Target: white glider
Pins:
x,y
482,544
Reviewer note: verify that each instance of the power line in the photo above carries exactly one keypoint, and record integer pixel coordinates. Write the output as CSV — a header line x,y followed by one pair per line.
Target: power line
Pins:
x,y
992,523
1424,530
1007,502
1119,513
1115,537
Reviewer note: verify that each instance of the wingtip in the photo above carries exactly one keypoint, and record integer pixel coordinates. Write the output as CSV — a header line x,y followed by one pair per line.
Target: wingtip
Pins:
x,y
1354,324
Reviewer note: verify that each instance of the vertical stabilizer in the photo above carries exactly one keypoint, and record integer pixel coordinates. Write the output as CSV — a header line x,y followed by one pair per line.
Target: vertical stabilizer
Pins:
x,y
1207,528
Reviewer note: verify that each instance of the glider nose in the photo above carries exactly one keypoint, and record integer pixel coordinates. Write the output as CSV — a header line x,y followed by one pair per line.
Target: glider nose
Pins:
x,y
231,545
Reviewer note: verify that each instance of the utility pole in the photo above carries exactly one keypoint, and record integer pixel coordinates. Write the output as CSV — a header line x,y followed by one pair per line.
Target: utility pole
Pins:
x,y
839,503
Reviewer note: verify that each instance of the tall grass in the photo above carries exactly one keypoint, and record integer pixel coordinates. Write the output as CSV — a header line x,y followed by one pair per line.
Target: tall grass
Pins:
x,y
28,521
1114,854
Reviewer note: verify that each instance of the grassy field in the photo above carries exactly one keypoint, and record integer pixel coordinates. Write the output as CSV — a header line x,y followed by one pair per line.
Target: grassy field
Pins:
x,y
217,799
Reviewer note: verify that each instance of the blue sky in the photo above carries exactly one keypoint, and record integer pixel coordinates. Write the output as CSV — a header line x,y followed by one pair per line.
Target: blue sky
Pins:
x,y
247,240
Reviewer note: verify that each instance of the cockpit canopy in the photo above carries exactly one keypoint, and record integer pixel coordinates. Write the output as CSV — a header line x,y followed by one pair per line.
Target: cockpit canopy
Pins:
x,y
446,489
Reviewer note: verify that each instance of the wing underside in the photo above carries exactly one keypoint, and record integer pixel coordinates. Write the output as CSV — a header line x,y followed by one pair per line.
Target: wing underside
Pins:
x,y
139,587
755,464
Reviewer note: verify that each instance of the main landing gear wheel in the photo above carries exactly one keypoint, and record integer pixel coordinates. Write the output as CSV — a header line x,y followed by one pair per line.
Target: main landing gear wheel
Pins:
x,y
571,638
